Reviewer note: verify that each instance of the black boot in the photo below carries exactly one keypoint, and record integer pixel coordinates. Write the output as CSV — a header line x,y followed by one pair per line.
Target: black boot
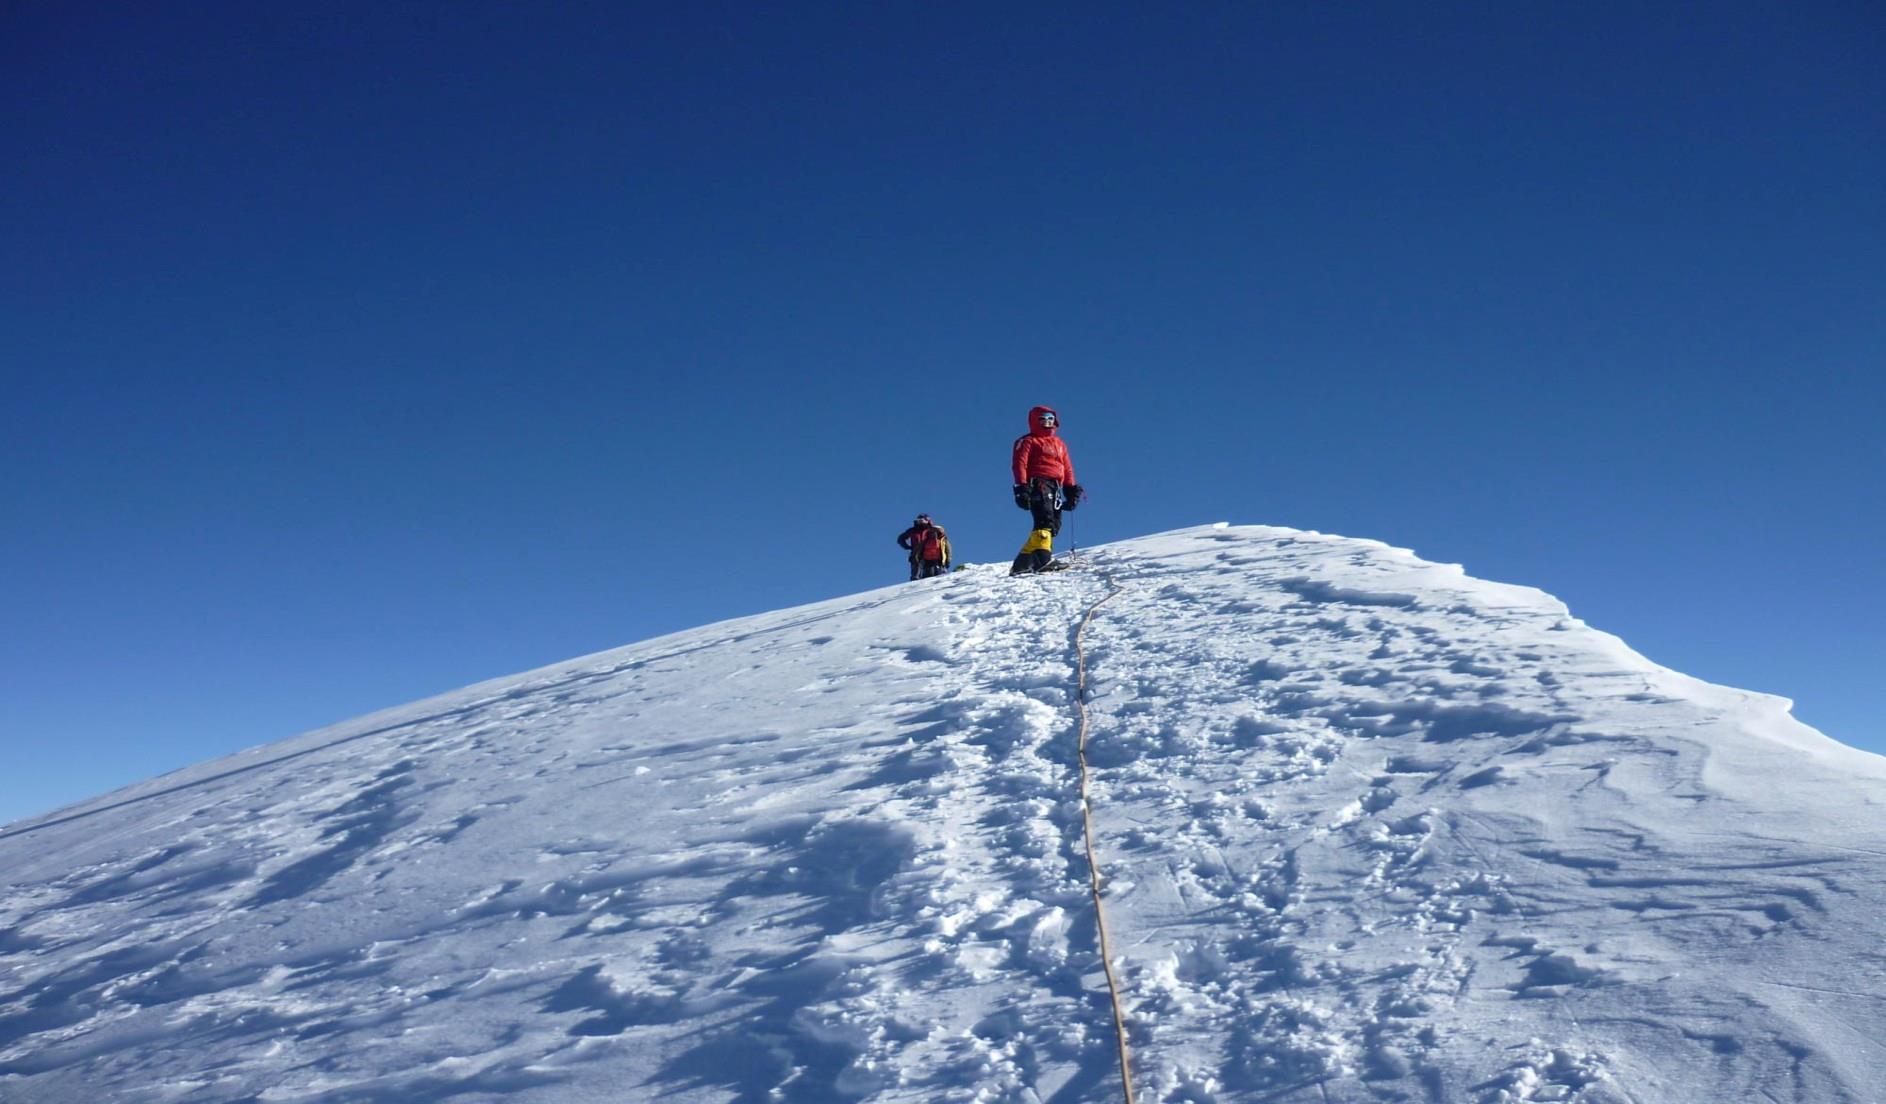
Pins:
x,y
1024,564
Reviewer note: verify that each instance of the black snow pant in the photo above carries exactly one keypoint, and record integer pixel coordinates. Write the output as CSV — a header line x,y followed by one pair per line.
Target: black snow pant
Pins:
x,y
924,569
1044,509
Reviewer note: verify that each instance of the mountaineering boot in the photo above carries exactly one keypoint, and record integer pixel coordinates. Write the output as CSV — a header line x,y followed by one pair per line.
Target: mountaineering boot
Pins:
x,y
1035,554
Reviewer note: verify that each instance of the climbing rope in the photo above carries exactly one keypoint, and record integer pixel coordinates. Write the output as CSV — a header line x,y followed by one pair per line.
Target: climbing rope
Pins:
x,y
1087,822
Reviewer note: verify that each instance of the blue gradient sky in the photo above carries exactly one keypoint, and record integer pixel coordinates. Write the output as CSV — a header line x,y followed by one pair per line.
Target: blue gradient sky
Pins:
x,y
355,355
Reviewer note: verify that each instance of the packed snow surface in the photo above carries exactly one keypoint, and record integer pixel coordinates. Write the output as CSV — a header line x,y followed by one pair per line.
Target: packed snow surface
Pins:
x,y
1369,829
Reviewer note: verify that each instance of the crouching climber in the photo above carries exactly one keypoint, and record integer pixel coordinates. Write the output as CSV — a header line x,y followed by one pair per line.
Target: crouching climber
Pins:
x,y
929,547
1044,486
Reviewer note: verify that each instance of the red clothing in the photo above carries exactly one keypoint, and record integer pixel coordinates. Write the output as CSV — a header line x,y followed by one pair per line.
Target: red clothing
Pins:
x,y
924,541
1040,453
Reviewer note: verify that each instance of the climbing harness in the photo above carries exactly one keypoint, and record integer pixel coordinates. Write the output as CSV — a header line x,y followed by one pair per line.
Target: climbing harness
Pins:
x,y
1087,822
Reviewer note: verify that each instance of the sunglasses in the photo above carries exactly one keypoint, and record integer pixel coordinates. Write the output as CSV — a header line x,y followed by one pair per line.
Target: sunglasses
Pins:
x,y
1050,419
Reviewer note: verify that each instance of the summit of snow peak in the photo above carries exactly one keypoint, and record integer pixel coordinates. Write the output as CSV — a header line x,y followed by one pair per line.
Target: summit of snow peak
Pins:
x,y
1368,829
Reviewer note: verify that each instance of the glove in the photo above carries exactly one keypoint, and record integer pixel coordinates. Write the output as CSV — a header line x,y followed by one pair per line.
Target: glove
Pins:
x,y
1021,495
1074,494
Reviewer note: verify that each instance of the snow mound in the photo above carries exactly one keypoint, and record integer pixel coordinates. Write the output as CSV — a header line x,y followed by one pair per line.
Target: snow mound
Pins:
x,y
1370,829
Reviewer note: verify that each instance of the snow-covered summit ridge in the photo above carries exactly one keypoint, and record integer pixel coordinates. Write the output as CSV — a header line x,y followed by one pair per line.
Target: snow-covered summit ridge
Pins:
x,y
1371,829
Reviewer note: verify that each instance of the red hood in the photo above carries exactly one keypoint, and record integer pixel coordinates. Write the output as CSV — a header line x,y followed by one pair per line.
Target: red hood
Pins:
x,y
1034,421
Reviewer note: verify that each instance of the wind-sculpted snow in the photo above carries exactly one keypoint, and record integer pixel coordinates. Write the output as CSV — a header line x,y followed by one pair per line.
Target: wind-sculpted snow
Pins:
x,y
1370,830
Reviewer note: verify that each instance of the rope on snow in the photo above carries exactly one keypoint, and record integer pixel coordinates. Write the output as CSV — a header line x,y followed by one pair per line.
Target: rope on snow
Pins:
x,y
1087,821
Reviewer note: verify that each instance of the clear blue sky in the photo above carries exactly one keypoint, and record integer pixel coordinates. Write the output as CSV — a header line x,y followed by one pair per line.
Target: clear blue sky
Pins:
x,y
355,352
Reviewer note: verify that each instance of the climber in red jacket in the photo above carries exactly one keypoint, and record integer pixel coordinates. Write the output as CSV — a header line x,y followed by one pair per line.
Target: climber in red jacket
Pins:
x,y
929,547
1044,486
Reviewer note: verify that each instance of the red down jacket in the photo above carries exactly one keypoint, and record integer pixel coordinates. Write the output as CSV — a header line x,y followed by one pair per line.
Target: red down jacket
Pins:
x,y
924,541
1040,453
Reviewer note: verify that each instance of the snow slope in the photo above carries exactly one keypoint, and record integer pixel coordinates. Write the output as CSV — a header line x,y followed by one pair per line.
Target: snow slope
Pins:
x,y
1370,829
